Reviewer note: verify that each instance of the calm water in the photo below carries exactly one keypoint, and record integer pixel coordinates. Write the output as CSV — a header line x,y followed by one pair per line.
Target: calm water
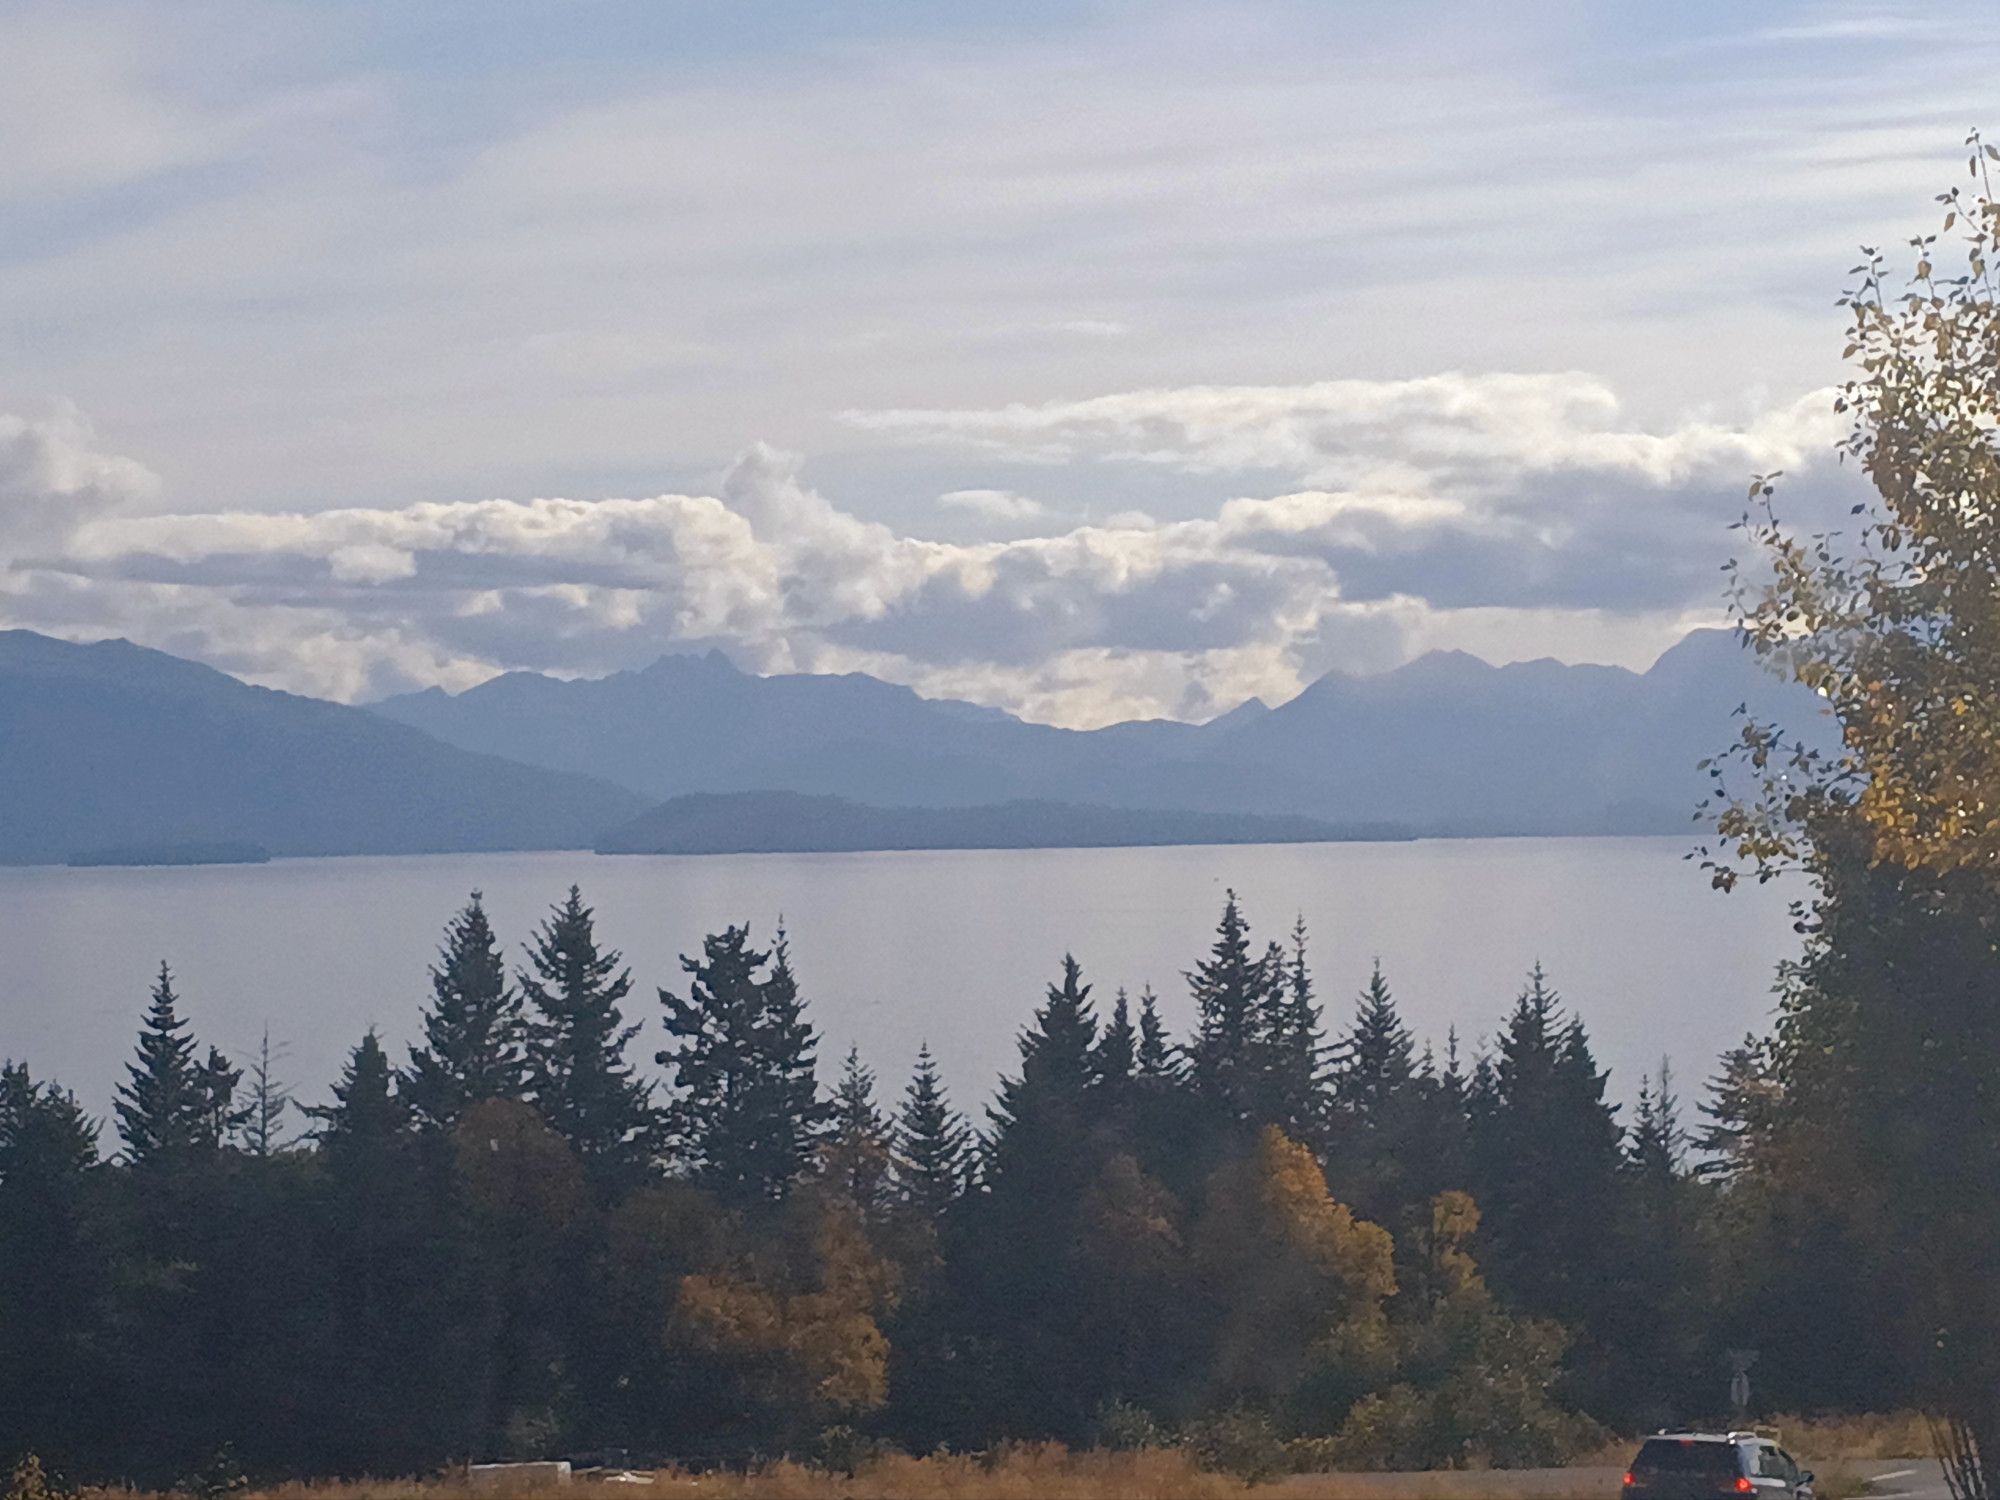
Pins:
x,y
896,948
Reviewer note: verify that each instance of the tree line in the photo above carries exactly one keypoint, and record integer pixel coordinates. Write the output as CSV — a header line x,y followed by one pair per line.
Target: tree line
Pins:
x,y
1313,1236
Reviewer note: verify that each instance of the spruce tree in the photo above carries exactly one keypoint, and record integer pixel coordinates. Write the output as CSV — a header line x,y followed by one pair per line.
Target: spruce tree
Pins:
x,y
1657,1150
1742,1104
1658,1324
472,1047
1375,1099
368,1116
1377,1055
263,1126
857,1157
933,1145
1547,1156
1040,1119
222,1116
746,1114
786,1086
577,1074
1027,1298
166,1107
1292,1048
53,1273
1117,1054
387,1258
1156,1058
1229,988
1435,1145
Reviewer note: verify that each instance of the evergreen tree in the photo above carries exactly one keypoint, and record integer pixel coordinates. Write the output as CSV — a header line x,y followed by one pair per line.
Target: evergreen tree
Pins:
x,y
1375,1100
472,1048
1741,1108
52,1271
384,1258
933,1145
1547,1155
166,1113
1026,1297
263,1128
1657,1150
577,1073
1659,1322
1040,1119
1377,1056
857,1156
1230,989
1436,1145
221,1116
1156,1058
1116,1058
1292,1046
368,1116
747,1115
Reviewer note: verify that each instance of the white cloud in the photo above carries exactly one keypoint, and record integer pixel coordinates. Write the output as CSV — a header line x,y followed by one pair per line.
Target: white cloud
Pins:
x,y
1520,517
1458,429
53,479
994,505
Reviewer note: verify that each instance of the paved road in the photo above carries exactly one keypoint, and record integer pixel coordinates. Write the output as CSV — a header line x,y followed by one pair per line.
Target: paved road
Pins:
x,y
1889,1479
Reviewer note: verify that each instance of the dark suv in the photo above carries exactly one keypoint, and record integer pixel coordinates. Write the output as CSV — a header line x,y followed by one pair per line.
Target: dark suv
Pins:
x,y
1706,1465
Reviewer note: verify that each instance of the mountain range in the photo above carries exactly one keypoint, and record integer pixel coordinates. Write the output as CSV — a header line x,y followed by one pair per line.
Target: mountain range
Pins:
x,y
111,746
1446,744
792,822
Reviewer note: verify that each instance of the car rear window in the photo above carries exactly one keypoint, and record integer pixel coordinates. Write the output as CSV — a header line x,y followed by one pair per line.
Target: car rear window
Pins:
x,y
1687,1456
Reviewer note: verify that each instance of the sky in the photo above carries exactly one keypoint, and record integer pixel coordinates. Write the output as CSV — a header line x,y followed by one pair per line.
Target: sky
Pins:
x,y
1090,360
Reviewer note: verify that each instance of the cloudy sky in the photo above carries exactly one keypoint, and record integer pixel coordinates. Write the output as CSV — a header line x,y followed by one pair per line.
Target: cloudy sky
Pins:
x,y
1092,360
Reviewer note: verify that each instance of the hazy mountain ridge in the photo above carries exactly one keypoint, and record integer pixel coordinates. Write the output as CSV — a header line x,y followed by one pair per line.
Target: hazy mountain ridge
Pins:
x,y
1446,743
795,822
113,746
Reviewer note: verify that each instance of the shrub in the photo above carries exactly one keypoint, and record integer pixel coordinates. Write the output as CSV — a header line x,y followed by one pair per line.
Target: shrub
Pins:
x,y
1240,1442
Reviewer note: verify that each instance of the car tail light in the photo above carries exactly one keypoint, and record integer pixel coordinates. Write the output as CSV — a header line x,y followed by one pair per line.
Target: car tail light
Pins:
x,y
1629,1480
1744,1486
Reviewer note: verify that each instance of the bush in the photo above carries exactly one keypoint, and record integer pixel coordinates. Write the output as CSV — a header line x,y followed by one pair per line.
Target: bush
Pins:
x,y
842,1450
1125,1428
28,1481
1240,1442
1465,1422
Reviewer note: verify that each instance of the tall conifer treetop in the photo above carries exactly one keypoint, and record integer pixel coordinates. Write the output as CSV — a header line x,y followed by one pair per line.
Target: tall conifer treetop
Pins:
x,y
858,1156
576,1070
1378,1053
473,1030
165,1113
1156,1056
745,1116
933,1144
1039,1118
1227,988
367,1111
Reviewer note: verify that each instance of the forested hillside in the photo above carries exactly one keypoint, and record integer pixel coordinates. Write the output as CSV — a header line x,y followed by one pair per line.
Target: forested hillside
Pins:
x,y
1299,1232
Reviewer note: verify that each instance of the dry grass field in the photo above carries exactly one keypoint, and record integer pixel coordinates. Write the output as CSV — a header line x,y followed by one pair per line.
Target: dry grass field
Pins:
x,y
1051,1472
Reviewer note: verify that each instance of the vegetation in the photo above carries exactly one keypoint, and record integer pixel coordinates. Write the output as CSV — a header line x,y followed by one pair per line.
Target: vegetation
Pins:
x,y
1865,1127
1276,1244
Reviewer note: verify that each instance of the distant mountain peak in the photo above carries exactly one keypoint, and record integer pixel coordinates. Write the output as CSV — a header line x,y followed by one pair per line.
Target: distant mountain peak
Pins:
x,y
1443,664
1249,710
